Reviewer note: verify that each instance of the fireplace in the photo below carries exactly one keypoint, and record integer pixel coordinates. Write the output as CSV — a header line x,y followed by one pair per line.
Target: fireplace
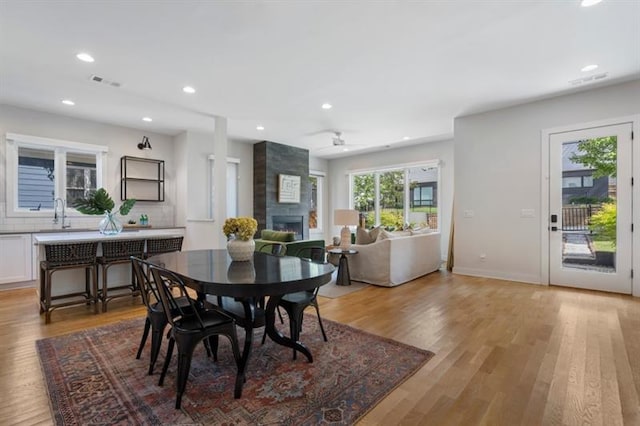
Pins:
x,y
289,224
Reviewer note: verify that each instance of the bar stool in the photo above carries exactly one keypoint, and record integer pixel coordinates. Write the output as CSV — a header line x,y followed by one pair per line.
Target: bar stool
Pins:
x,y
114,253
68,256
163,245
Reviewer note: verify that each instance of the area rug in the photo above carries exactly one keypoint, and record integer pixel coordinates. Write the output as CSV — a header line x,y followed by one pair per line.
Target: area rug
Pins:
x,y
333,291
93,378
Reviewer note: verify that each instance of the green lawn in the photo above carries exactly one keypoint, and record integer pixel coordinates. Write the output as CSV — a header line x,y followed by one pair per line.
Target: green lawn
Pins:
x,y
604,246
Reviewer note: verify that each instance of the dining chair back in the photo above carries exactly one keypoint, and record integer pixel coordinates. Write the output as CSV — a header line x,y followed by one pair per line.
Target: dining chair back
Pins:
x,y
189,327
276,249
314,254
156,320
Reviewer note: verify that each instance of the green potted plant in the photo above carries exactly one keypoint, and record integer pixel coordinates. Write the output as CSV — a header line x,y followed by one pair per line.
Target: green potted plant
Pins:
x,y
100,203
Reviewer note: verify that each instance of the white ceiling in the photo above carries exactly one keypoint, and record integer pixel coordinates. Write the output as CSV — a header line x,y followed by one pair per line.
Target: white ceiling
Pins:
x,y
391,69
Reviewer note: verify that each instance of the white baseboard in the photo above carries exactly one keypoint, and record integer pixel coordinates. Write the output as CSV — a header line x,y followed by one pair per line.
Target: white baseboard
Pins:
x,y
13,286
500,275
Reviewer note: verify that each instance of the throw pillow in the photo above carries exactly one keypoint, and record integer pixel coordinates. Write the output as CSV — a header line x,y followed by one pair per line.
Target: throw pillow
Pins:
x,y
364,237
421,231
385,235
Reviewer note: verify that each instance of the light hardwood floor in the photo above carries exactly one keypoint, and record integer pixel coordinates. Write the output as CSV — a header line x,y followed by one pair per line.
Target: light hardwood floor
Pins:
x,y
506,353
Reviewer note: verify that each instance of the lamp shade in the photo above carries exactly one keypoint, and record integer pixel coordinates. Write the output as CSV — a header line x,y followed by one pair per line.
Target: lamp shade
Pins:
x,y
345,217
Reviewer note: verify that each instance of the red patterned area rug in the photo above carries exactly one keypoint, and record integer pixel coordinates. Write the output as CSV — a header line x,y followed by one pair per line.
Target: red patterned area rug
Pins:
x,y
93,378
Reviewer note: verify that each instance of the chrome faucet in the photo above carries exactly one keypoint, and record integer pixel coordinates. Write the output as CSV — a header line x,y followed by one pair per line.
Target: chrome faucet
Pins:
x,y
62,203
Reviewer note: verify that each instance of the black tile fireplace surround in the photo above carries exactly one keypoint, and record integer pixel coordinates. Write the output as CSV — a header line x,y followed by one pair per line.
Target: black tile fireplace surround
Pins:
x,y
288,224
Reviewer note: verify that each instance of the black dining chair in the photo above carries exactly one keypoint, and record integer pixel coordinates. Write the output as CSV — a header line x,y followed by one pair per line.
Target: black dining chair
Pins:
x,y
295,303
156,320
189,327
277,249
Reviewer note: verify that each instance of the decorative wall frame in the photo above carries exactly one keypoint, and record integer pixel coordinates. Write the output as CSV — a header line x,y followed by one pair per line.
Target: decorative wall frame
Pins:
x,y
288,189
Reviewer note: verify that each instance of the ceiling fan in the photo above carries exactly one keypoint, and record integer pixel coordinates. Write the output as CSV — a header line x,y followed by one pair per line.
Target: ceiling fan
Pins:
x,y
338,145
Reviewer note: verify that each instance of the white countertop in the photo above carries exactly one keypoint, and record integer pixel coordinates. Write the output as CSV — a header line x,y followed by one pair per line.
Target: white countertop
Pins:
x,y
70,237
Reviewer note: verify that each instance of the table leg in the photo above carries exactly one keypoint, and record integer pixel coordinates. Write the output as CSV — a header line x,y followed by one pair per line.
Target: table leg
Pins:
x,y
278,337
343,278
249,313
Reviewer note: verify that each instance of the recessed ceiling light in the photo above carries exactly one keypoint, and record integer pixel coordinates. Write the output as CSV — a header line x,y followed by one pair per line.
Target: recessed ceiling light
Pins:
x,y
406,138
147,119
85,57
589,68
327,106
259,127
188,89
68,102
587,3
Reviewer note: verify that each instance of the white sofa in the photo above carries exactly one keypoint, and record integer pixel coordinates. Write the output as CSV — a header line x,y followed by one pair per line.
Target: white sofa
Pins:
x,y
393,261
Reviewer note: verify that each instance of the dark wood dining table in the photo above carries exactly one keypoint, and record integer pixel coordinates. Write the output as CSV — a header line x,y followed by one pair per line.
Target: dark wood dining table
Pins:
x,y
212,272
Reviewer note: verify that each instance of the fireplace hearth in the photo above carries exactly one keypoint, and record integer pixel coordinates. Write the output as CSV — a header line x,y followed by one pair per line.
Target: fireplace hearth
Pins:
x,y
289,224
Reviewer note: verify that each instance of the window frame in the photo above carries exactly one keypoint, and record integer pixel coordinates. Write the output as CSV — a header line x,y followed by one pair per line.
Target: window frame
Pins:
x,y
212,187
59,148
407,190
320,179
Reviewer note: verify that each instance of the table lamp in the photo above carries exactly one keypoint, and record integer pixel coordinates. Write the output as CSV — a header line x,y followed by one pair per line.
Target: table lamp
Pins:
x,y
347,218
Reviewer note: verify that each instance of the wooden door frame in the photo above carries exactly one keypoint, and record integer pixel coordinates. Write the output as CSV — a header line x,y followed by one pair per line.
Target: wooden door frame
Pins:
x,y
544,192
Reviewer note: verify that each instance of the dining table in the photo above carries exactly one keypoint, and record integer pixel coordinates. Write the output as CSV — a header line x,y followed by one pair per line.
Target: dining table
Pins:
x,y
212,272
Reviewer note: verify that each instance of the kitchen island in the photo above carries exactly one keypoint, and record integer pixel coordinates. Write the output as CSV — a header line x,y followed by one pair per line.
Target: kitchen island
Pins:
x,y
73,280
85,236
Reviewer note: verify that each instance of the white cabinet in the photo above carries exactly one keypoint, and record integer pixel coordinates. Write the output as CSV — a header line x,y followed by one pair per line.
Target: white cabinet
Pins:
x,y
15,258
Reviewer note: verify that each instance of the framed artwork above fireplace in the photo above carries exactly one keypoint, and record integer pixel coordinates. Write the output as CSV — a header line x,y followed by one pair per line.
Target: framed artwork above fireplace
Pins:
x,y
288,189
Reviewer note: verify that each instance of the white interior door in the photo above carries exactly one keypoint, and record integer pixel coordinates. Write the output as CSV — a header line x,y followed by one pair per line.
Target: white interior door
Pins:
x,y
590,206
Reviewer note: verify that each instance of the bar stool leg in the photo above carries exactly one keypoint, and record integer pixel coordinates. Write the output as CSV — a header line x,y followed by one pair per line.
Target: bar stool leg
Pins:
x,y
47,313
104,288
94,289
42,289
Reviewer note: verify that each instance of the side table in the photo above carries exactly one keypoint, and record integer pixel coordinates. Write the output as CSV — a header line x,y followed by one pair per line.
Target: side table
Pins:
x,y
343,278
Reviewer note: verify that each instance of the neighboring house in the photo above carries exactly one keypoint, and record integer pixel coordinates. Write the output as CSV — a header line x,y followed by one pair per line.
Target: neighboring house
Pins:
x,y
578,180
424,189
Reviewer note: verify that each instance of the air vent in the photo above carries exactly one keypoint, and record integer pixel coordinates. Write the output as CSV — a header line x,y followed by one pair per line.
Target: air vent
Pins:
x,y
588,79
103,80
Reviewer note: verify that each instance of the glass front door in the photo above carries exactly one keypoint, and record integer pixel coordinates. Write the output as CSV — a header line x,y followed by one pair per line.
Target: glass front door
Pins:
x,y
590,208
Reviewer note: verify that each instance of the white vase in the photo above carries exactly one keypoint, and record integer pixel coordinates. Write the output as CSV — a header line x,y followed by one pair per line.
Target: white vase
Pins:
x,y
110,224
241,250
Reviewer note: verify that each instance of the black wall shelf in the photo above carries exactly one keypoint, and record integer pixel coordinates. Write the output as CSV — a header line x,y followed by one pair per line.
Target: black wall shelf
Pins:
x,y
142,179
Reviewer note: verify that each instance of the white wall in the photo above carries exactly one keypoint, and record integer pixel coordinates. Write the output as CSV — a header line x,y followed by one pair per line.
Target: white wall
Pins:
x,y
192,151
338,185
498,173
120,140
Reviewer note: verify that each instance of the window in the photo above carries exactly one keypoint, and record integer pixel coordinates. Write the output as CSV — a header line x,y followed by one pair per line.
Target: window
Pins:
x,y
39,170
81,175
36,171
316,182
233,165
577,181
397,196
572,182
